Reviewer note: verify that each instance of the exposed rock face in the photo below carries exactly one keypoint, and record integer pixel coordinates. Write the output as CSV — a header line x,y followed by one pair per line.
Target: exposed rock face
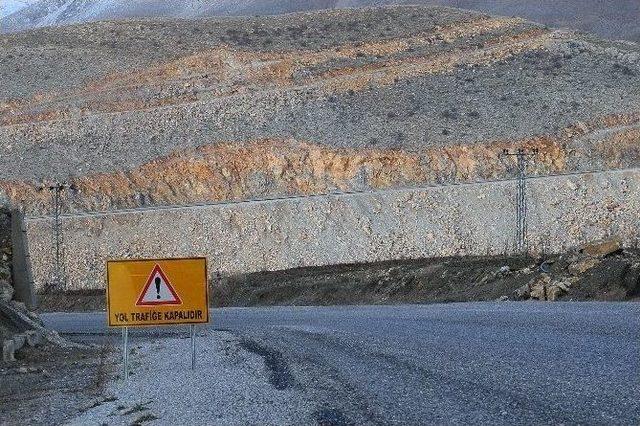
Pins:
x,y
6,288
233,109
443,221
18,326
152,113
582,265
602,248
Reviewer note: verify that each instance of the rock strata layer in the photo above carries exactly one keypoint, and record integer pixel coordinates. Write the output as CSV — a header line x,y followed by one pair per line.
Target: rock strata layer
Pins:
x,y
144,113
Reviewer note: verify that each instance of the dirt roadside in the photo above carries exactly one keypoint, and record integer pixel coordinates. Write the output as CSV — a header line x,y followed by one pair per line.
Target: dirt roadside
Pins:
x,y
48,384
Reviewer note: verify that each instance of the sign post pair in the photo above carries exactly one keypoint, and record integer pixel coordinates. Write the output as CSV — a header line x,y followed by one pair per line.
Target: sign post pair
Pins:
x,y
157,292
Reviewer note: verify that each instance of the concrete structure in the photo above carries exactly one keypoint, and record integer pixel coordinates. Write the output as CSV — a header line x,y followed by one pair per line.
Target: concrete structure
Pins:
x,y
21,266
453,220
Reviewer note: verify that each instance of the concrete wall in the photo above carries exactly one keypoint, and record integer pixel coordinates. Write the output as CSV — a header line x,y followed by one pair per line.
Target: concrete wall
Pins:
x,y
473,219
21,263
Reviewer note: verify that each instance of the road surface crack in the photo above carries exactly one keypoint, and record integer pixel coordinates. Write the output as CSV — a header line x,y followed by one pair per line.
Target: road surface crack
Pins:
x,y
279,372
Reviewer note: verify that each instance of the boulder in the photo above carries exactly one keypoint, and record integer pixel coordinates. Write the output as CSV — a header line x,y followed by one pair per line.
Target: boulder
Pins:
x,y
523,292
18,341
538,288
557,289
6,291
544,288
8,351
22,321
20,306
34,337
583,265
602,248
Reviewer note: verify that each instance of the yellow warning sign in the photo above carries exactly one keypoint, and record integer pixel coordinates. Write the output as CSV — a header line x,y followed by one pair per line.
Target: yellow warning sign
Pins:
x,y
157,292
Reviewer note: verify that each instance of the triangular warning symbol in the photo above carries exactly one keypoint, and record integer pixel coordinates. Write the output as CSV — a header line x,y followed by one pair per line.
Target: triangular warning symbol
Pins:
x,y
158,290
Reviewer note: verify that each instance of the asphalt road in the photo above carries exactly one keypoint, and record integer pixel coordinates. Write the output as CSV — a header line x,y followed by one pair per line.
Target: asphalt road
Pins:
x,y
500,363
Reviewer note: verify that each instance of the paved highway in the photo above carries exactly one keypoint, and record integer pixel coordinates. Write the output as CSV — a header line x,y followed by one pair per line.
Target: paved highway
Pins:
x,y
500,363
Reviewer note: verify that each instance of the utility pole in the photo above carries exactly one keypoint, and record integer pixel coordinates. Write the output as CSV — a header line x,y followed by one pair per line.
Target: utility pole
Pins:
x,y
521,196
57,279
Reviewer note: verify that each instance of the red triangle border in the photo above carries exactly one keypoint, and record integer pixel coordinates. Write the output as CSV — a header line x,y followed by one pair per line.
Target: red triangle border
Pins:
x,y
158,269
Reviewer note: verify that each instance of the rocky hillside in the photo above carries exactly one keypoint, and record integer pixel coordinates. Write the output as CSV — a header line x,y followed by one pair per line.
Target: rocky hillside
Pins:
x,y
150,112
600,270
597,271
614,19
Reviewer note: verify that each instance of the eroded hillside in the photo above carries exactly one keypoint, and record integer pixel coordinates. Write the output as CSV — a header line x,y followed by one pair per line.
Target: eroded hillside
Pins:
x,y
173,112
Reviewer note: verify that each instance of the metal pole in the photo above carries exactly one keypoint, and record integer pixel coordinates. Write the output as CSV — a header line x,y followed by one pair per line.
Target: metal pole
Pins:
x,y
58,278
56,197
521,203
521,196
193,346
125,352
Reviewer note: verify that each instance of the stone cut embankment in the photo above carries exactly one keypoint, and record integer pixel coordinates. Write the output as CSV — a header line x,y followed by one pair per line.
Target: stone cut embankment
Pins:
x,y
455,220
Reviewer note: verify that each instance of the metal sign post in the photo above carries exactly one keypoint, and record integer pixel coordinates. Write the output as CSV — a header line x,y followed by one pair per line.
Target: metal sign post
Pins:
x,y
125,352
192,330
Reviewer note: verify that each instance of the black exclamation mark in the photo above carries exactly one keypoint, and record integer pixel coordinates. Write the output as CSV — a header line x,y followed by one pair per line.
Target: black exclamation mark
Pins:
x,y
158,287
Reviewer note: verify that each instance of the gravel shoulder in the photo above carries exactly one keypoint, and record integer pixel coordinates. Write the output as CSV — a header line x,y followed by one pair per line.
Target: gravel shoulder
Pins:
x,y
235,382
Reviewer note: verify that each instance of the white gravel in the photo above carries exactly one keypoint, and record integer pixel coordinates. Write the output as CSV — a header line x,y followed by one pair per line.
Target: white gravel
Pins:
x,y
229,386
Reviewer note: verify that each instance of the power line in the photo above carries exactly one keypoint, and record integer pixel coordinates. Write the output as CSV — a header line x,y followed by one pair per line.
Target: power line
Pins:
x,y
98,213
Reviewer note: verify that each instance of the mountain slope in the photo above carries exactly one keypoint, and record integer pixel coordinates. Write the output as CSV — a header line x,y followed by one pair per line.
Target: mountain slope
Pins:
x,y
612,19
7,7
143,113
